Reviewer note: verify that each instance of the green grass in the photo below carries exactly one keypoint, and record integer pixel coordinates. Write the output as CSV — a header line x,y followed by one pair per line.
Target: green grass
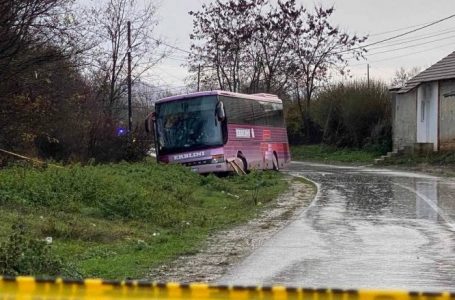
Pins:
x,y
322,153
117,221
442,158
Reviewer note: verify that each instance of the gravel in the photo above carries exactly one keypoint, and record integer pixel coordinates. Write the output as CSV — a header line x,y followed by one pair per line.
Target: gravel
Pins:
x,y
228,247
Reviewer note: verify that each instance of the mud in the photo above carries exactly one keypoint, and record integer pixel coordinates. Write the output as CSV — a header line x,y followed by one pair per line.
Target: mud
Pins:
x,y
226,248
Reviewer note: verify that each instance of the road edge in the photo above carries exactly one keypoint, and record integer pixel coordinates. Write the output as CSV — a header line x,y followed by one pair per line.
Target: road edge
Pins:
x,y
226,248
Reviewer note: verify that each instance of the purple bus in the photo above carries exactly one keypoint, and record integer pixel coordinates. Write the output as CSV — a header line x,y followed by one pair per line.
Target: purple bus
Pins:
x,y
218,131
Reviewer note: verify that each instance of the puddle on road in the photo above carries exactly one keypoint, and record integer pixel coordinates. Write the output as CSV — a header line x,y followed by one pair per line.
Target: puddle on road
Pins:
x,y
367,228
377,191
377,229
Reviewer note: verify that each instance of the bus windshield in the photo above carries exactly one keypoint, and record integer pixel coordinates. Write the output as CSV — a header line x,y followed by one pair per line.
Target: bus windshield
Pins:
x,y
187,124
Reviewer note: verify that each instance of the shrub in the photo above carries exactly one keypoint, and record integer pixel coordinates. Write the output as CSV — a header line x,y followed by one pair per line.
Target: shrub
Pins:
x,y
118,220
355,115
20,255
106,146
122,191
298,134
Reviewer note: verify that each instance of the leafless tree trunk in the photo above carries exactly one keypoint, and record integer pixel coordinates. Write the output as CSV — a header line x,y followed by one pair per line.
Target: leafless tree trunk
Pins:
x,y
29,26
107,24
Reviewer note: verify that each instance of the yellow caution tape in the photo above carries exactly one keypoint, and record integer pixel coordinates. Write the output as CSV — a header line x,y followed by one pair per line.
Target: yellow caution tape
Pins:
x,y
30,288
29,159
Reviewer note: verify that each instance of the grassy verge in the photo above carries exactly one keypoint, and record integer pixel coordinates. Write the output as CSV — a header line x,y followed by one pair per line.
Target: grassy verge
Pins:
x,y
118,221
433,162
330,154
430,158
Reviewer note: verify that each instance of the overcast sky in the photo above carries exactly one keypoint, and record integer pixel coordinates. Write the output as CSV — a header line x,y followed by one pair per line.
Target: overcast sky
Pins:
x,y
375,17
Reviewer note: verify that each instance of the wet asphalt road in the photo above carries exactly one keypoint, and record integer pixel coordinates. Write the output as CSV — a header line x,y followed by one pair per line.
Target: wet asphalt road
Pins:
x,y
367,228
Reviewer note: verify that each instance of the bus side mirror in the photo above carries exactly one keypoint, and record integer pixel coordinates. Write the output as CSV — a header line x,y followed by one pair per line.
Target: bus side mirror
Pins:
x,y
149,122
220,113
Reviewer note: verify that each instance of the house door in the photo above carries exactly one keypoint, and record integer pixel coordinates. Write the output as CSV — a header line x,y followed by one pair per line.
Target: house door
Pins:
x,y
427,114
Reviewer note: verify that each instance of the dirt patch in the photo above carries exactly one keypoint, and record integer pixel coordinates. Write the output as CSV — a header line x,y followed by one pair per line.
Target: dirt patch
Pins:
x,y
228,247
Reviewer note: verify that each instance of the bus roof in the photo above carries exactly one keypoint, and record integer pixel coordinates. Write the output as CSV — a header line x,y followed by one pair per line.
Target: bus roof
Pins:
x,y
258,97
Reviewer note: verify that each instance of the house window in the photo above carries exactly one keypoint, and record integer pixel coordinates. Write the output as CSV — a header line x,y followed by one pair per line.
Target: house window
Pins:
x,y
422,111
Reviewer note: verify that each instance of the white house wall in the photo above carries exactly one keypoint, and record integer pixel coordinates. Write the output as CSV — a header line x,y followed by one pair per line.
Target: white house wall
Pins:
x,y
404,120
427,113
447,115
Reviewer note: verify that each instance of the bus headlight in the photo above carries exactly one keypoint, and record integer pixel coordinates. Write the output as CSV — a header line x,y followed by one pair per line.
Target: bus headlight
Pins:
x,y
218,158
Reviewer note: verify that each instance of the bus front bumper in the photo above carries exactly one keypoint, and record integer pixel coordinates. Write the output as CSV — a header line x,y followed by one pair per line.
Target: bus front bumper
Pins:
x,y
211,168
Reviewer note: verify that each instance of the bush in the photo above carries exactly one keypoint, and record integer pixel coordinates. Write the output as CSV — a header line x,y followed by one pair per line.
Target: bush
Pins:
x,y
355,115
20,255
161,194
106,145
298,134
124,191
118,220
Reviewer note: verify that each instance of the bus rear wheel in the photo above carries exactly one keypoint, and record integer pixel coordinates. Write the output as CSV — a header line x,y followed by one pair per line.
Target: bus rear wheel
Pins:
x,y
276,166
244,164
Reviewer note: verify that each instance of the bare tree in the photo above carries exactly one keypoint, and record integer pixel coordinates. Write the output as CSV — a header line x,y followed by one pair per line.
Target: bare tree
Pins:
x,y
107,25
320,47
29,26
222,32
253,45
244,45
402,75
39,41
275,32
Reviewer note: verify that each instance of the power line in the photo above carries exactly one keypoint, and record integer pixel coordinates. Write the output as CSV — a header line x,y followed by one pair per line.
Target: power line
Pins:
x,y
172,57
156,87
172,75
181,50
398,29
163,83
425,25
407,47
400,56
164,86
172,46
447,31
176,59
419,38
399,35
410,46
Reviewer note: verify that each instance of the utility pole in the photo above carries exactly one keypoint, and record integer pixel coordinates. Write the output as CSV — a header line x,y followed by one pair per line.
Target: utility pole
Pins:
x,y
130,118
368,75
198,77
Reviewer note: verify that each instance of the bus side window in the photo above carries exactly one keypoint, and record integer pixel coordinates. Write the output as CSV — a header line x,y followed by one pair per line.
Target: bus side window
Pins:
x,y
268,114
238,110
276,115
259,110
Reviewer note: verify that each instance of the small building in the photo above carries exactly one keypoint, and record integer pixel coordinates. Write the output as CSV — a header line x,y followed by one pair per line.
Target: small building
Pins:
x,y
423,111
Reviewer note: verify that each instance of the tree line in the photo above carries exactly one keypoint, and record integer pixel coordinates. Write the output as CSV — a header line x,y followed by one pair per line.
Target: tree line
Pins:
x,y
280,47
257,46
63,72
63,76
